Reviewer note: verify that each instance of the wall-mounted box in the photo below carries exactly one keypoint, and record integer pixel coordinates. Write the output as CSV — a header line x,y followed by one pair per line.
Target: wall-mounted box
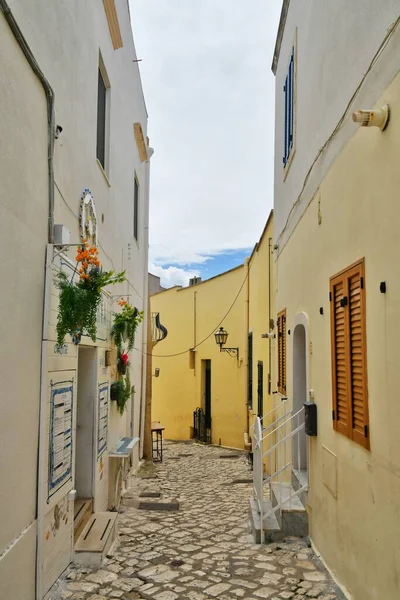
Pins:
x,y
310,418
111,358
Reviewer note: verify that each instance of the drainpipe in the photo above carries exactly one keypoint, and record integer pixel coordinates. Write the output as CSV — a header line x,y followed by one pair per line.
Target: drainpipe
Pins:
x,y
50,107
247,443
147,344
50,97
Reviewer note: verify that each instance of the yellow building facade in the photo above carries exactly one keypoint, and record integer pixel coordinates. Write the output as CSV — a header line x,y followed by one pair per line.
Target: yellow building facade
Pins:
x,y
194,373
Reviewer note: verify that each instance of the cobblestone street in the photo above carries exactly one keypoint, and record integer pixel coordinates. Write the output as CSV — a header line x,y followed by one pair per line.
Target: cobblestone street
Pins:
x,y
201,551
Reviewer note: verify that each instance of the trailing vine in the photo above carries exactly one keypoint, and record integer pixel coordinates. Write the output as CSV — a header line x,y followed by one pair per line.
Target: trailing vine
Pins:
x,y
123,332
79,300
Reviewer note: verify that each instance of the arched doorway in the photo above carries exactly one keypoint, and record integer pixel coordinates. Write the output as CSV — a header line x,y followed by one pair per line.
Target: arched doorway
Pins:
x,y
299,447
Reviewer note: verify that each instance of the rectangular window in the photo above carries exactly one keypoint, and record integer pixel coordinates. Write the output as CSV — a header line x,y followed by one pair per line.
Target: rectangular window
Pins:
x,y
282,352
136,210
289,95
101,120
260,388
349,363
250,371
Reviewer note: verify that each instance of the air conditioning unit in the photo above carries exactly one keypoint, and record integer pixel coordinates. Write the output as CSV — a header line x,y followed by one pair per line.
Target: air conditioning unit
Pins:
x,y
62,235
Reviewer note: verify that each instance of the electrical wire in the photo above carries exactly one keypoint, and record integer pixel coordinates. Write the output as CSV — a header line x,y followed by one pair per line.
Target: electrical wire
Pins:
x,y
209,335
377,54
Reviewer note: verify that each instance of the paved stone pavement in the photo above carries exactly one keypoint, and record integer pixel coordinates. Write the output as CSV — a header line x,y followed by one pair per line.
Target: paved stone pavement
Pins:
x,y
202,551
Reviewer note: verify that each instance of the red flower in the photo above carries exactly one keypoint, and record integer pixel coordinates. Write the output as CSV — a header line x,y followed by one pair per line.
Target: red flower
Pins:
x,y
124,358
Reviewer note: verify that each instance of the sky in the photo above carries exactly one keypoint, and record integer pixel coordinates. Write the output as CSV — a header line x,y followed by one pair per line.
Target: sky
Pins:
x,y
209,91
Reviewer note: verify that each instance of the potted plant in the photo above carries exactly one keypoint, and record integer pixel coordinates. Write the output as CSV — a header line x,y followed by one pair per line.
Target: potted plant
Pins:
x,y
125,325
79,300
123,362
117,391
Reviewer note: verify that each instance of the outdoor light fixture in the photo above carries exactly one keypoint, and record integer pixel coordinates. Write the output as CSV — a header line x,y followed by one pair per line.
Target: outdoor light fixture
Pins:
x,y
221,337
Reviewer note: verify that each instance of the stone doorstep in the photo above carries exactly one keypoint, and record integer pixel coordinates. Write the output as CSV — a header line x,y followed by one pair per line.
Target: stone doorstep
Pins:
x,y
169,505
272,530
148,494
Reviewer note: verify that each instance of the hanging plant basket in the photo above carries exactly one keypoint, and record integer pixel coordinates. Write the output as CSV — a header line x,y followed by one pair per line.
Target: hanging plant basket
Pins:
x,y
79,300
125,325
122,368
117,391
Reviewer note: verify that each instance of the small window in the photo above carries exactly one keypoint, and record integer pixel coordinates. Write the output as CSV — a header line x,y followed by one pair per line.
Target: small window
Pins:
x,y
260,388
250,371
349,362
101,120
282,352
136,210
289,95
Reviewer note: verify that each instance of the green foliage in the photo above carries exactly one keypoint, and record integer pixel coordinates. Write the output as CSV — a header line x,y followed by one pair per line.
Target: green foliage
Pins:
x,y
125,396
117,391
79,302
125,325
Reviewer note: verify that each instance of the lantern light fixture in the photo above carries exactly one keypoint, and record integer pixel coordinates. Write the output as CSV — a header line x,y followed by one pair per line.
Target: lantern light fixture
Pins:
x,y
221,337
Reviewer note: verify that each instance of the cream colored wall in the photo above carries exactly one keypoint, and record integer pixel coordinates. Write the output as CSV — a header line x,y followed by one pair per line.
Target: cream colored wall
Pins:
x,y
23,225
354,494
177,392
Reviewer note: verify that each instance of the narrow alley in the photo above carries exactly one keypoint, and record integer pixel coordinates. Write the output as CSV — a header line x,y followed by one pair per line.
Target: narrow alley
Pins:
x,y
201,551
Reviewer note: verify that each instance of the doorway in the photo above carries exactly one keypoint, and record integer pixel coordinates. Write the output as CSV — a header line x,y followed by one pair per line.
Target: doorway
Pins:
x,y
85,429
299,446
202,415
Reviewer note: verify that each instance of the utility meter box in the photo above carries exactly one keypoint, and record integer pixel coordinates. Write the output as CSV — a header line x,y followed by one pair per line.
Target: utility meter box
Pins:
x,y
310,418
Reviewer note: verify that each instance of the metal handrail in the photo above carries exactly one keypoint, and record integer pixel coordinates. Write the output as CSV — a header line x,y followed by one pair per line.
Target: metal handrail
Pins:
x,y
277,454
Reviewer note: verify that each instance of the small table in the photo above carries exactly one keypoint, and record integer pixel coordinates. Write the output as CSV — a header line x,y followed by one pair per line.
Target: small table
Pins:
x,y
156,440
122,449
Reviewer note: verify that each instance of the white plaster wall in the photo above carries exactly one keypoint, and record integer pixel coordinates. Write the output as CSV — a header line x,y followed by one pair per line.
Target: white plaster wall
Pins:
x,y
336,42
23,230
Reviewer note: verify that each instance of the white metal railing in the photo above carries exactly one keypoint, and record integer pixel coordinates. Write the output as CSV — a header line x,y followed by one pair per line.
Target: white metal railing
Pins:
x,y
282,446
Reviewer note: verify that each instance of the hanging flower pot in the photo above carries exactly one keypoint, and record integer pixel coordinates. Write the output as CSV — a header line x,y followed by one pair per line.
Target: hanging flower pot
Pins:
x,y
122,368
117,391
123,362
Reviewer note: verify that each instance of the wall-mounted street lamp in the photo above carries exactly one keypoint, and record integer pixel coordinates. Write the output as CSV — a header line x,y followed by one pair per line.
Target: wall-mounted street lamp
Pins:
x,y
221,337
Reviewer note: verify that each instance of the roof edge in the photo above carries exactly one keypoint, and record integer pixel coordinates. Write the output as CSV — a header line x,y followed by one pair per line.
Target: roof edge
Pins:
x,y
279,36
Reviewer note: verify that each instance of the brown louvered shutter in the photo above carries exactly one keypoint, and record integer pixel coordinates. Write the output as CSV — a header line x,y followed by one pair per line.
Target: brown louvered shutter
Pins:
x,y
349,364
339,357
282,352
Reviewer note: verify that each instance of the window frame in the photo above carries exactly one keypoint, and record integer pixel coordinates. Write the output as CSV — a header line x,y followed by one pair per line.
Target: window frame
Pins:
x,y
282,365
102,74
348,430
260,388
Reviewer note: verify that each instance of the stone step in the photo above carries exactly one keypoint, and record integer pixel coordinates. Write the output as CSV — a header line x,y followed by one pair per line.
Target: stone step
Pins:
x,y
300,479
83,509
96,539
272,530
152,503
292,516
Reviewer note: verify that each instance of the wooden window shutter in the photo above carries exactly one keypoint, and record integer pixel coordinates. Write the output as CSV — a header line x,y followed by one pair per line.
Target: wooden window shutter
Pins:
x,y
113,24
349,361
282,352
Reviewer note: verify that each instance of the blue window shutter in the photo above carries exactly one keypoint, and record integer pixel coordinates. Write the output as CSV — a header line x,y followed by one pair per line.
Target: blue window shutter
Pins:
x,y
288,89
291,100
285,153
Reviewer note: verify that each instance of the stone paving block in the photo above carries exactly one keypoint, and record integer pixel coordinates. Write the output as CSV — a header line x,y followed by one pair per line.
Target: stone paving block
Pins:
x,y
202,551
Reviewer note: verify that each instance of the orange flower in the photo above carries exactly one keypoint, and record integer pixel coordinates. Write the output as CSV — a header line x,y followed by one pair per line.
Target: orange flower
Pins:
x,y
85,265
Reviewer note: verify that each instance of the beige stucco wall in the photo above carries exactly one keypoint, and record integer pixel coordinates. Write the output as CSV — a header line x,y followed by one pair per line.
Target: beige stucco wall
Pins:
x,y
354,493
23,218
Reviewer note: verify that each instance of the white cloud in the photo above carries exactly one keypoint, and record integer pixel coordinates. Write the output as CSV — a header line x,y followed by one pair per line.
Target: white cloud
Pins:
x,y
173,275
209,91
